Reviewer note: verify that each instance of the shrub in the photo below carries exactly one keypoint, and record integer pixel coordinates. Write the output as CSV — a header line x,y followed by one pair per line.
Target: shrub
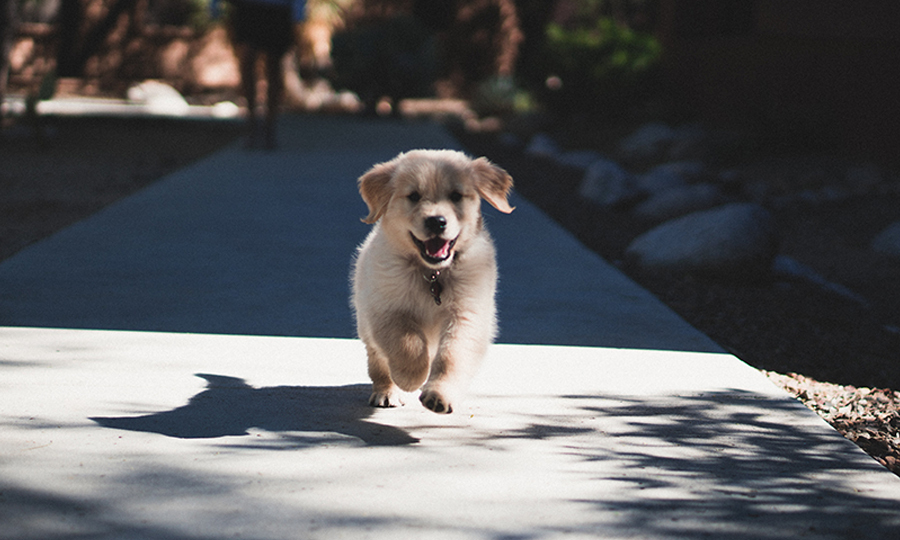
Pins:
x,y
500,96
600,67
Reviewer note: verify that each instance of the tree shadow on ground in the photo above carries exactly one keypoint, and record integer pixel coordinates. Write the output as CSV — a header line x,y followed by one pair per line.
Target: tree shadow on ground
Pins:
x,y
301,415
730,464
733,465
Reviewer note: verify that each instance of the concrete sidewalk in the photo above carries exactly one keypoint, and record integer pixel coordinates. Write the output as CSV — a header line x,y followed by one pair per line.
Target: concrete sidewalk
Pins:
x,y
260,243
143,393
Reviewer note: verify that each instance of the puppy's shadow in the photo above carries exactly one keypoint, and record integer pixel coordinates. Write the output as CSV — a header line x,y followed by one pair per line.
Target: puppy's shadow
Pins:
x,y
303,415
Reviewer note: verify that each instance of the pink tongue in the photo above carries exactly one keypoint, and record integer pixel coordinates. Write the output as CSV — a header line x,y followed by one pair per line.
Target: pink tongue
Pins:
x,y
437,248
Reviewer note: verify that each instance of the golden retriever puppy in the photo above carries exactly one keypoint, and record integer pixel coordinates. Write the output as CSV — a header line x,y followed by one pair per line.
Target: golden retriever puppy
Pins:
x,y
424,278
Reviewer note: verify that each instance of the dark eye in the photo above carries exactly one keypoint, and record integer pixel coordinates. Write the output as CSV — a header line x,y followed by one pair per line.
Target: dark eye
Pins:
x,y
414,197
456,196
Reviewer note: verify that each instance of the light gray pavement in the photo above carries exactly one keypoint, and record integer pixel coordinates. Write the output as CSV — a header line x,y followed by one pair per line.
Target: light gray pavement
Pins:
x,y
181,365
260,243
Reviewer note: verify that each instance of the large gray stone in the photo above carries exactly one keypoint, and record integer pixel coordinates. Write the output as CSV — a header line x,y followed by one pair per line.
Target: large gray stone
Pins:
x,y
691,171
158,98
649,142
734,239
863,178
786,267
888,241
608,184
659,179
689,142
543,146
579,159
679,201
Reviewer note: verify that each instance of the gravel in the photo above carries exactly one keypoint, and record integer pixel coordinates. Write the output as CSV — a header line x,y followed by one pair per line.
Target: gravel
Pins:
x,y
870,417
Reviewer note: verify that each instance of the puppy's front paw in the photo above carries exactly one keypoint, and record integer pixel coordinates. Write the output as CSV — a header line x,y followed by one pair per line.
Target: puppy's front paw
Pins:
x,y
386,398
436,401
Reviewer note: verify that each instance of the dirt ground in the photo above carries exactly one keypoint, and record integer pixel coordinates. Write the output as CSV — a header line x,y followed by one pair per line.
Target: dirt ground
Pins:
x,y
79,165
838,356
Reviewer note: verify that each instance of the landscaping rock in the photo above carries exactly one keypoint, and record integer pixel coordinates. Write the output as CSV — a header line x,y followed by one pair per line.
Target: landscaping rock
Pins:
x,y
887,242
510,140
731,181
679,201
732,240
689,142
863,178
659,179
159,98
608,184
649,143
579,159
789,268
226,109
691,171
761,192
543,146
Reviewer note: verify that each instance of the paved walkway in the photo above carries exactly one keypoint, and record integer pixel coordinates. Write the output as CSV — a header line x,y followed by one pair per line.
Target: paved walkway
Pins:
x,y
181,365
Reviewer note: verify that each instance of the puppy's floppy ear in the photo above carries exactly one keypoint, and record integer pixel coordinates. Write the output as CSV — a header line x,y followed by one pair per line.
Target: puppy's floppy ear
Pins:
x,y
375,188
493,184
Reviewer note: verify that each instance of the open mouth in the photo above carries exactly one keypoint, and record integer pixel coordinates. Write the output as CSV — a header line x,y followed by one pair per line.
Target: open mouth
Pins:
x,y
434,250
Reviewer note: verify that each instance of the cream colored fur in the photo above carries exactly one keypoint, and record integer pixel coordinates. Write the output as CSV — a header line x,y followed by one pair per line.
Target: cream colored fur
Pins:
x,y
410,339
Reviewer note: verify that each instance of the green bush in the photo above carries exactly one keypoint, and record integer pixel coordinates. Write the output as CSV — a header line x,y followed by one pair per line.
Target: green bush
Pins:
x,y
500,96
600,68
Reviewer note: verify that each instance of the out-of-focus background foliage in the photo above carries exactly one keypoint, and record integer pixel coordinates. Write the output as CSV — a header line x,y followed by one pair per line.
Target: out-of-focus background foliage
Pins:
x,y
821,71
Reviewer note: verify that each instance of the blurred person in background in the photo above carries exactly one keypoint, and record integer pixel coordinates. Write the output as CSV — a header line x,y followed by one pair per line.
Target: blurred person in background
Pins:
x,y
263,28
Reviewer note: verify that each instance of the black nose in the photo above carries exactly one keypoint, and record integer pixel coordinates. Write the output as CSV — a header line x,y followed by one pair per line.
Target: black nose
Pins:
x,y
436,224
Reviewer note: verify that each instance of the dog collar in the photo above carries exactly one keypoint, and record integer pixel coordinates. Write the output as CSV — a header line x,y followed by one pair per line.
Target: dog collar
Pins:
x,y
434,285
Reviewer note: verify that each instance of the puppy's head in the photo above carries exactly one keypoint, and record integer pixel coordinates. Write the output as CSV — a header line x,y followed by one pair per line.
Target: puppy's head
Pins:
x,y
429,201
